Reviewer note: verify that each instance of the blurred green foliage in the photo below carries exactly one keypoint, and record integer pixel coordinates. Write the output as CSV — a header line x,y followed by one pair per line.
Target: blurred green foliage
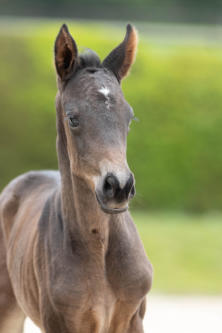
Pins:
x,y
176,92
145,2
196,11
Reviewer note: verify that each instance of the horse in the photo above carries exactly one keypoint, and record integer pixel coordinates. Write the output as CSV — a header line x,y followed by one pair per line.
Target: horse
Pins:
x,y
71,258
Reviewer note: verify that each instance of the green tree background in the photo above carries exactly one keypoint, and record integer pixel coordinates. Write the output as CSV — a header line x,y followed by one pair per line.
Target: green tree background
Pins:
x,y
176,92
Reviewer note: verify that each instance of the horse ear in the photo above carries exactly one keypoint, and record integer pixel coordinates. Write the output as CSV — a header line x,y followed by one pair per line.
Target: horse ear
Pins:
x,y
122,57
65,53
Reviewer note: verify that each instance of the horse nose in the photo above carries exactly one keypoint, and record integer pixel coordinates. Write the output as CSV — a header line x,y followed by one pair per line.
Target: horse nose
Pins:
x,y
113,191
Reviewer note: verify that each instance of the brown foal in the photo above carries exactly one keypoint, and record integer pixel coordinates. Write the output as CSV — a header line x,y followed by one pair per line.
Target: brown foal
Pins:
x,y
72,259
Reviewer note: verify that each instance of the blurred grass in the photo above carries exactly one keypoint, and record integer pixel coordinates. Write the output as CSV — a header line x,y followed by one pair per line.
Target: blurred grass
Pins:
x,y
185,251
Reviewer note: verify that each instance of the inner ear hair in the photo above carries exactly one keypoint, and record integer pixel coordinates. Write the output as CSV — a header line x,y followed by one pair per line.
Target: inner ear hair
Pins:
x,y
130,51
65,53
120,60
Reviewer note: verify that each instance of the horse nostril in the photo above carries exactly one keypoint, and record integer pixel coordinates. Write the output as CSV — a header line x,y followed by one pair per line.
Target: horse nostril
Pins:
x,y
129,187
132,192
109,187
113,191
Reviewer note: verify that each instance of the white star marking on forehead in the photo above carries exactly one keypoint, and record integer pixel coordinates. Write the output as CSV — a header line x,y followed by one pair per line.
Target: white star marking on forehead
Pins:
x,y
105,91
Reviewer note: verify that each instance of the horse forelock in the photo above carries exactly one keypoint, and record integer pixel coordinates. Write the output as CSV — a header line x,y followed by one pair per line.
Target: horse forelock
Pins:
x,y
89,58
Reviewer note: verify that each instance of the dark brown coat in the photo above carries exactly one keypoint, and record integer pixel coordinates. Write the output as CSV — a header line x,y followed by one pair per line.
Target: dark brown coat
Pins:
x,y
74,257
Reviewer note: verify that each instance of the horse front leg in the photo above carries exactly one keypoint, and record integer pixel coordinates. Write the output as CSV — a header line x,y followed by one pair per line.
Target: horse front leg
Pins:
x,y
51,320
11,316
136,323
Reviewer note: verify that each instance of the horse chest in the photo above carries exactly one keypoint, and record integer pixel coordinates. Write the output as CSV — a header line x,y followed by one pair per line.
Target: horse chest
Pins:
x,y
130,279
99,289
93,301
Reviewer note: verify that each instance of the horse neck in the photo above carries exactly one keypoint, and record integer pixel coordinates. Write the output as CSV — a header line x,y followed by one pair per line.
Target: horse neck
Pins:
x,y
81,212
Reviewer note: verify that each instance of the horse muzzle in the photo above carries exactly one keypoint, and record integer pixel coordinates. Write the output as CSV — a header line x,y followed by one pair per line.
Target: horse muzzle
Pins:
x,y
114,198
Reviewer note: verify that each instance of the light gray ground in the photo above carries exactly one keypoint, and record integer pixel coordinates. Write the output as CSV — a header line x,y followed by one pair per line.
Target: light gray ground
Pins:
x,y
173,314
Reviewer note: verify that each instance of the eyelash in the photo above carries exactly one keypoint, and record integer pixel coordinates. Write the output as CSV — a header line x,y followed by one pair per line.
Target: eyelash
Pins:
x,y
132,119
135,119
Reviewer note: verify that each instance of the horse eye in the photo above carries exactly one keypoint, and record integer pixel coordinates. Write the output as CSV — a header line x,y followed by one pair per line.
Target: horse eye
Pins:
x,y
73,122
